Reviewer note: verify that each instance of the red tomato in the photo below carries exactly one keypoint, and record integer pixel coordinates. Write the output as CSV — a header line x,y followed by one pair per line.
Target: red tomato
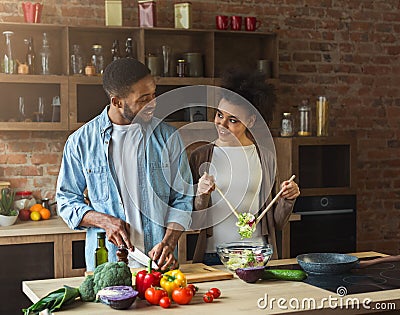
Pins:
x,y
215,292
208,297
154,295
193,287
165,302
182,295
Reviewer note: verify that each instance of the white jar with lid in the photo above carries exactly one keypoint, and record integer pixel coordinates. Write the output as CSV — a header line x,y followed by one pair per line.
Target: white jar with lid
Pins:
x,y
24,199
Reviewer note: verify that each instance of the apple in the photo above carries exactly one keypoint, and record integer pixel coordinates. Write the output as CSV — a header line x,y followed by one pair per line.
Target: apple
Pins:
x,y
24,214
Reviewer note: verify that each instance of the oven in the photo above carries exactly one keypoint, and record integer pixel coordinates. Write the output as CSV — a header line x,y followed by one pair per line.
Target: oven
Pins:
x,y
328,224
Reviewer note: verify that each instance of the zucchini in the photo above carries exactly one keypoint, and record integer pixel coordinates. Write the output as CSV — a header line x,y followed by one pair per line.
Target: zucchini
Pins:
x,y
284,274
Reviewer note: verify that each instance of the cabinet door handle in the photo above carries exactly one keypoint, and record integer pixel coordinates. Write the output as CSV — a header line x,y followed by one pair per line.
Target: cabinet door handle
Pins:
x,y
326,212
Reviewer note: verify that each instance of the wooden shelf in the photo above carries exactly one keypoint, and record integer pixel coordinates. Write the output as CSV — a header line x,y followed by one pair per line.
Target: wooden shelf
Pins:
x,y
82,97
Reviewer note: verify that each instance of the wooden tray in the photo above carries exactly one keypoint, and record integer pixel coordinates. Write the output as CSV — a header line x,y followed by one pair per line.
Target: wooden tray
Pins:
x,y
196,273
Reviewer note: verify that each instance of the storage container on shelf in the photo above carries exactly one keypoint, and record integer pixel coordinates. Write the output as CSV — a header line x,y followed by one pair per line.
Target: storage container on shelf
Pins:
x,y
24,199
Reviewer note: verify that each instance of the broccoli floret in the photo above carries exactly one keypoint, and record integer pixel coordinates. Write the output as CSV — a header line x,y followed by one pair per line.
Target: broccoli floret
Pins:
x,y
86,289
105,275
111,273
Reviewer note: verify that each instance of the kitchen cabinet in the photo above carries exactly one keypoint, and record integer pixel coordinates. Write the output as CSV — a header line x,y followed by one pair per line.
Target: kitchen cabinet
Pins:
x,y
325,172
322,165
82,97
37,250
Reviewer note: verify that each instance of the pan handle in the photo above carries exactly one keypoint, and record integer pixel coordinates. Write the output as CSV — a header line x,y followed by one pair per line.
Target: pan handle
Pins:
x,y
380,260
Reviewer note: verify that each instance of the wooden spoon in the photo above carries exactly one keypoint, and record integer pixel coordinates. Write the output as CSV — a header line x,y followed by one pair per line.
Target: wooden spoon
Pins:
x,y
272,202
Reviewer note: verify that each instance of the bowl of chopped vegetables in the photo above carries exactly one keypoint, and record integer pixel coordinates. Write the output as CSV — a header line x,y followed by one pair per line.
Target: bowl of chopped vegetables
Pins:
x,y
244,254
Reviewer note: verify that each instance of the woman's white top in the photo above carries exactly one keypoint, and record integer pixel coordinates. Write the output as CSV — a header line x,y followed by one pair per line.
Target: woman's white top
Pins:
x,y
237,172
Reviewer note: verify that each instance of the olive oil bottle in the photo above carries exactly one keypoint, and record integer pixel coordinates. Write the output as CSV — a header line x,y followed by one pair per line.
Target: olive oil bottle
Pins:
x,y
101,253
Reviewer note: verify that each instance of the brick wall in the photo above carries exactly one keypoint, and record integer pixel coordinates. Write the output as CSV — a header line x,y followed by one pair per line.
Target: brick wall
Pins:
x,y
347,50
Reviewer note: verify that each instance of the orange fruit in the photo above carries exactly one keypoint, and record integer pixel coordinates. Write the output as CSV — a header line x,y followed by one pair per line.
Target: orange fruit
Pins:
x,y
45,213
36,207
35,216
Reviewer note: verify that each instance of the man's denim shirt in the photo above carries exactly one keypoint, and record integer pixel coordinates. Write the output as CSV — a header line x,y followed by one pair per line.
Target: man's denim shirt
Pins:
x,y
165,181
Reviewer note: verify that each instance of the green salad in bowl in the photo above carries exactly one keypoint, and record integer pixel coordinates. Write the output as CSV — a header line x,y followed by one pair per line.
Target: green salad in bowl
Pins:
x,y
244,254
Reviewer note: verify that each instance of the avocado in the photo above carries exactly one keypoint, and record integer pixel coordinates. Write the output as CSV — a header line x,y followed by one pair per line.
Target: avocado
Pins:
x,y
250,274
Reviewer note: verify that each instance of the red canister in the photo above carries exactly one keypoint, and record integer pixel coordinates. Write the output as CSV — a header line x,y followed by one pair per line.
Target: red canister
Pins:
x,y
147,13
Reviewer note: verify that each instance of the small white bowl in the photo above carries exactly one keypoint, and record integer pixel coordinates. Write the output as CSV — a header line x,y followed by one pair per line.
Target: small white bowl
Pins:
x,y
6,220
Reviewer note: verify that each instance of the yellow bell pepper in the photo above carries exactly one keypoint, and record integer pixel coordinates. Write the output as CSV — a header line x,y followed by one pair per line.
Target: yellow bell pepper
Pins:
x,y
172,280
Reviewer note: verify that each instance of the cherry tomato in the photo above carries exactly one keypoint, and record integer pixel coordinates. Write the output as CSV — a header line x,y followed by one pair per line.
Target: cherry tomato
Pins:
x,y
182,295
165,302
193,287
153,295
208,297
215,292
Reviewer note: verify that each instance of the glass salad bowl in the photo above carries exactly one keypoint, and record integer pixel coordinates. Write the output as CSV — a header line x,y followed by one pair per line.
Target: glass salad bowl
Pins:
x,y
244,254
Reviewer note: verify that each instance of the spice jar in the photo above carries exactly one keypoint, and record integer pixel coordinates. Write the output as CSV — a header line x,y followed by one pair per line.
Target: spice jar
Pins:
x,y
287,125
304,119
181,68
322,117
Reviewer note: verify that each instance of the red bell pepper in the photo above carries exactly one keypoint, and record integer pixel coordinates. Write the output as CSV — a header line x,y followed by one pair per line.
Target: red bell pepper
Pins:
x,y
147,278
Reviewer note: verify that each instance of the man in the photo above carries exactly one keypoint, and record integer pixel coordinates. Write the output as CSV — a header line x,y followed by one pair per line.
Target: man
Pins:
x,y
134,168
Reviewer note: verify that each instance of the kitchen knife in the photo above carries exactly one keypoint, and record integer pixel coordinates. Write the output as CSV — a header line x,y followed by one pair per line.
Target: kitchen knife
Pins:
x,y
142,258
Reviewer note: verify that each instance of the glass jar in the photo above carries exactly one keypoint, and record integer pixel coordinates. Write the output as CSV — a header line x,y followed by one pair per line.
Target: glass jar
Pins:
x,y
97,58
322,116
181,68
287,125
24,199
304,119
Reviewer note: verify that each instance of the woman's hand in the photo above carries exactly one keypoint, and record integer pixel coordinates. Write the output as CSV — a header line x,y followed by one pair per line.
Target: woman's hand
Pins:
x,y
206,184
290,190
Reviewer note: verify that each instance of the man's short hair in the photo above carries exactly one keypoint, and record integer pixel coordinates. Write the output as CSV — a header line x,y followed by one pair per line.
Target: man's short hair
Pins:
x,y
121,74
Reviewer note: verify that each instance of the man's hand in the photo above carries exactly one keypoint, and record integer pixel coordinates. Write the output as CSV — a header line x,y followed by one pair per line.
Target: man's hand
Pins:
x,y
163,255
163,252
117,230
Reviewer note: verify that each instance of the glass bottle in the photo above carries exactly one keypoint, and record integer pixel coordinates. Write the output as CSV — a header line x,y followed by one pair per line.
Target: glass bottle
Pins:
x,y
21,109
115,50
30,56
97,58
8,58
129,53
101,253
304,119
45,53
56,104
76,60
287,125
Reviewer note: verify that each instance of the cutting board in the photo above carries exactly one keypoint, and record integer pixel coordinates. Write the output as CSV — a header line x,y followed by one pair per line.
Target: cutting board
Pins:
x,y
197,272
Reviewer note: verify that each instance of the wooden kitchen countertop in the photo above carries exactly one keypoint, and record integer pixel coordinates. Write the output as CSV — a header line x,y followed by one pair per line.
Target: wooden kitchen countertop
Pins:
x,y
237,297
54,225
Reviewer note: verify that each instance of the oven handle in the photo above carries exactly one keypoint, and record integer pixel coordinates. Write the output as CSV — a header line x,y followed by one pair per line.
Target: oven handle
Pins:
x,y
325,212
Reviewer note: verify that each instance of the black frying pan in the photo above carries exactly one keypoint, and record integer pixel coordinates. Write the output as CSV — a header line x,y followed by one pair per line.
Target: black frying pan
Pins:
x,y
333,263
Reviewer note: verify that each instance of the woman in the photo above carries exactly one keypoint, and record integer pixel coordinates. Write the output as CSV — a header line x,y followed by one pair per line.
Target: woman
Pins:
x,y
242,168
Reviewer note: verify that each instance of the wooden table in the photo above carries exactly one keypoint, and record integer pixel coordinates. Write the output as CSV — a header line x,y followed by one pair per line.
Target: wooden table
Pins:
x,y
237,297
